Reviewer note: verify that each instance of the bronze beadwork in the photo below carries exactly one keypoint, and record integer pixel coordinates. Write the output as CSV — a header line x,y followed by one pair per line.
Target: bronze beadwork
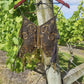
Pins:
x,y
44,37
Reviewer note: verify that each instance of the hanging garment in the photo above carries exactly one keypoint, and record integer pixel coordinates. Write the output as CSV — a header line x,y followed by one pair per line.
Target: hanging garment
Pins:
x,y
36,37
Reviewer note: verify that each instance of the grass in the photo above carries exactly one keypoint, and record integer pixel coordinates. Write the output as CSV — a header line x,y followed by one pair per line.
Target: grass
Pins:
x,y
80,46
0,81
63,61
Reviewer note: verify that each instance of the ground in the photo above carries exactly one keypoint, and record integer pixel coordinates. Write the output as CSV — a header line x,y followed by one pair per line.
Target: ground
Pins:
x,y
78,52
26,77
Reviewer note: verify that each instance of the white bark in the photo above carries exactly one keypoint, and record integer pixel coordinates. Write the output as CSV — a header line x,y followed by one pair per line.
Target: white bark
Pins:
x,y
74,74
43,15
53,76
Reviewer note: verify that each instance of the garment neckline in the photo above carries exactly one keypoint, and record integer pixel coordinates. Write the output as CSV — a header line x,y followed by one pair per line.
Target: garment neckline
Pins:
x,y
39,25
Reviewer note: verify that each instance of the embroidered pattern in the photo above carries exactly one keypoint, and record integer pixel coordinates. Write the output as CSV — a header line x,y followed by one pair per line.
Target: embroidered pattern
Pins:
x,y
44,37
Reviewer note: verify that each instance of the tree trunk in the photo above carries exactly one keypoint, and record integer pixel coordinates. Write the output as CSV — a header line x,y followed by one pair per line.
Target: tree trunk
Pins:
x,y
44,13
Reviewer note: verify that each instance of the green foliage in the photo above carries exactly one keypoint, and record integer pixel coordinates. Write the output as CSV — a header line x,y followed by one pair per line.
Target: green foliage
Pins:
x,y
71,30
63,61
10,24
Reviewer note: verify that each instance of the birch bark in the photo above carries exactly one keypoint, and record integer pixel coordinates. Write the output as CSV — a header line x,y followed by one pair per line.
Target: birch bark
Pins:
x,y
44,13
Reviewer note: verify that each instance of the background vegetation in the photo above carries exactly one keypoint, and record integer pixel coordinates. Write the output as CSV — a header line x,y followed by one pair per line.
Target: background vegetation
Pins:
x,y
70,30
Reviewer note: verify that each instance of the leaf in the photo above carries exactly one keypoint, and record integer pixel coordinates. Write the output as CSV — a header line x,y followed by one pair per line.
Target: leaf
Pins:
x,y
12,60
29,65
2,46
9,65
18,19
10,1
15,49
15,40
11,11
5,16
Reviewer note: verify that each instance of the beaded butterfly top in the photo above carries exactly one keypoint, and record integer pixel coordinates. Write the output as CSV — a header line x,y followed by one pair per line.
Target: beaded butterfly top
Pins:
x,y
39,37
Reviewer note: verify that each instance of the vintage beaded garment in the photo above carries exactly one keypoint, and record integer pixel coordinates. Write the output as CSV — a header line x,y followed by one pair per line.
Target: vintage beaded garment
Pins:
x,y
35,37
